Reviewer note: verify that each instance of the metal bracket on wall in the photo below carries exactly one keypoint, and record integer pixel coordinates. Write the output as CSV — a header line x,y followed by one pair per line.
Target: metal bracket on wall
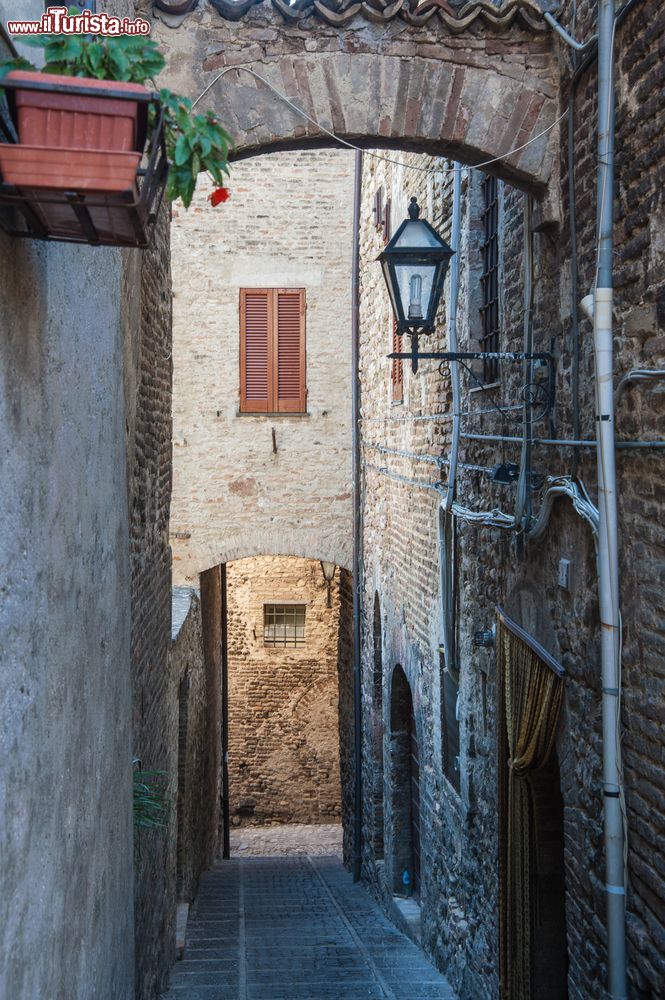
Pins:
x,y
415,356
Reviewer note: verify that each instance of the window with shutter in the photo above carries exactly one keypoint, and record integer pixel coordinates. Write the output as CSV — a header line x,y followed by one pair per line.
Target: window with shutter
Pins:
x,y
272,350
397,371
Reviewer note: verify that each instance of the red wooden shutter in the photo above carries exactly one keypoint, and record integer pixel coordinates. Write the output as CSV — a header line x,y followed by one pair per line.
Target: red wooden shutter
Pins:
x,y
254,350
289,340
397,371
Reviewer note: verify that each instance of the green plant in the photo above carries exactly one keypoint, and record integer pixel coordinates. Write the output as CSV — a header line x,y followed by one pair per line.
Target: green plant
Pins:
x,y
195,143
151,804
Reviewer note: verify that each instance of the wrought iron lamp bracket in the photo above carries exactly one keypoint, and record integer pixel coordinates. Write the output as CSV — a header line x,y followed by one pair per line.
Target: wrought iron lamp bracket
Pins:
x,y
414,355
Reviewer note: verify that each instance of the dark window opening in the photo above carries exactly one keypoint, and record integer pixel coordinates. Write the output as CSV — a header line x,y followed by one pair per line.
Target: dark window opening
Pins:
x,y
489,279
451,761
397,369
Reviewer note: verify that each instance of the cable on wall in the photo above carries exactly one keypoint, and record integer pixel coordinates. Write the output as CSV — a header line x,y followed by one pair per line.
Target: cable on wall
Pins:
x,y
349,145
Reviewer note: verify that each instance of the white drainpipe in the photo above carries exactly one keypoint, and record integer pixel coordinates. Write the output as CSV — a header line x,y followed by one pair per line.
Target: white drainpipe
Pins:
x,y
608,535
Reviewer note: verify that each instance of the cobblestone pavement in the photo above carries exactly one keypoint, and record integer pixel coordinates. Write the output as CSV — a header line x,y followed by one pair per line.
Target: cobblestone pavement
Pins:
x,y
296,928
296,838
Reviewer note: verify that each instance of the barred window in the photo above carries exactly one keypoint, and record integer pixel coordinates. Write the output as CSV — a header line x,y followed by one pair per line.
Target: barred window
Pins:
x,y
489,280
284,624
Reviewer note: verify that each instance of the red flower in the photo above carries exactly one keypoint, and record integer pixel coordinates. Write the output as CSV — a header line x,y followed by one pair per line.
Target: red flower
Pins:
x,y
219,194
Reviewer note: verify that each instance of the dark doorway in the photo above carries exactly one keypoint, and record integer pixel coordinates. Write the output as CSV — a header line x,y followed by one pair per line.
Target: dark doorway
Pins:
x,y
550,957
414,788
377,733
532,925
183,722
405,787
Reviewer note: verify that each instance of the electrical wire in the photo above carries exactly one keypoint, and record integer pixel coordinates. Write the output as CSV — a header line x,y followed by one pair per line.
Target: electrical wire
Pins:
x,y
351,145
418,483
439,417
638,375
437,460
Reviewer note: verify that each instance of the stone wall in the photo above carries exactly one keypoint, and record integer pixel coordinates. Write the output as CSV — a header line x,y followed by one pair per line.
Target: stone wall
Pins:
x,y
347,755
477,86
253,484
193,803
283,702
401,551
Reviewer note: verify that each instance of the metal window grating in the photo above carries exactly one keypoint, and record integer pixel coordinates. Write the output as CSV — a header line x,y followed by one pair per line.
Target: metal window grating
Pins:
x,y
489,280
284,624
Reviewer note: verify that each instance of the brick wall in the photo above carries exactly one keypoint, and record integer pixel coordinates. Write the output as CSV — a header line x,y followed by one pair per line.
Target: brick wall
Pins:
x,y
257,484
460,875
477,87
155,707
283,702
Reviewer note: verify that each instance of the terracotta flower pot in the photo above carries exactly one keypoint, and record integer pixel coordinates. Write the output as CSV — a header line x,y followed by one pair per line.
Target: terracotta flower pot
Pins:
x,y
77,121
80,170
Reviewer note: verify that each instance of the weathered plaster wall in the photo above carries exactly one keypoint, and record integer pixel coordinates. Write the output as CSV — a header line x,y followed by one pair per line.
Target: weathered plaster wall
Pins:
x,y
258,484
283,702
66,876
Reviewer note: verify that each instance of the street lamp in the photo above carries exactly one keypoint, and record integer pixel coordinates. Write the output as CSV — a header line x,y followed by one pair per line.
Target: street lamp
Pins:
x,y
414,264
328,570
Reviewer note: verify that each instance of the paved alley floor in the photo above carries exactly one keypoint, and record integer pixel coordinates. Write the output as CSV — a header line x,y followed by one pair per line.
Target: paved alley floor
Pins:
x,y
296,928
296,838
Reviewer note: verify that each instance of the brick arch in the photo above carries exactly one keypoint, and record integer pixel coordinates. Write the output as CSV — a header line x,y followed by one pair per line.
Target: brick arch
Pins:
x,y
305,544
470,83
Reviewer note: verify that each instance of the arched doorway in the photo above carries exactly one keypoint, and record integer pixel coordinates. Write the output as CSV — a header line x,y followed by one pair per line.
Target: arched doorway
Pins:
x,y
405,786
377,732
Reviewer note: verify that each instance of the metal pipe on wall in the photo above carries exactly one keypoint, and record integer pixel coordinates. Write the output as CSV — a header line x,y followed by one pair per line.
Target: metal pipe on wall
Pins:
x,y
226,835
355,404
608,534
452,334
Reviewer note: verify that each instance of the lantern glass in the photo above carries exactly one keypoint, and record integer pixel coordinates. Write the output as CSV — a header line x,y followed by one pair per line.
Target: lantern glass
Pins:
x,y
414,267
416,283
417,234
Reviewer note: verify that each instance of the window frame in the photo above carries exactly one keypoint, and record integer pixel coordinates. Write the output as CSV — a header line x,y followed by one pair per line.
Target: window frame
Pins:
x,y
284,606
490,309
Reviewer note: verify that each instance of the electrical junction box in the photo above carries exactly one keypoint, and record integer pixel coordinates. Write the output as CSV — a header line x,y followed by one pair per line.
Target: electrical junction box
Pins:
x,y
564,574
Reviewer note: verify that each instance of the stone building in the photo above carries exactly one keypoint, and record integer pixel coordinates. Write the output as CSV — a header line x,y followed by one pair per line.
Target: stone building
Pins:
x,y
262,463
432,581
264,476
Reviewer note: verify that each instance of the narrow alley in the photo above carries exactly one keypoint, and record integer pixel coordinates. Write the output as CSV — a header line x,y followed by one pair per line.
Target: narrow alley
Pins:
x,y
332,533
296,928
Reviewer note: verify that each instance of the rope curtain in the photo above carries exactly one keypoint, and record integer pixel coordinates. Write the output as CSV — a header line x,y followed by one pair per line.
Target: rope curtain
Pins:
x,y
530,689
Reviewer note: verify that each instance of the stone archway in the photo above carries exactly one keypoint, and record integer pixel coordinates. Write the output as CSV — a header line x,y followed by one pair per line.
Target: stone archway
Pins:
x,y
472,83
